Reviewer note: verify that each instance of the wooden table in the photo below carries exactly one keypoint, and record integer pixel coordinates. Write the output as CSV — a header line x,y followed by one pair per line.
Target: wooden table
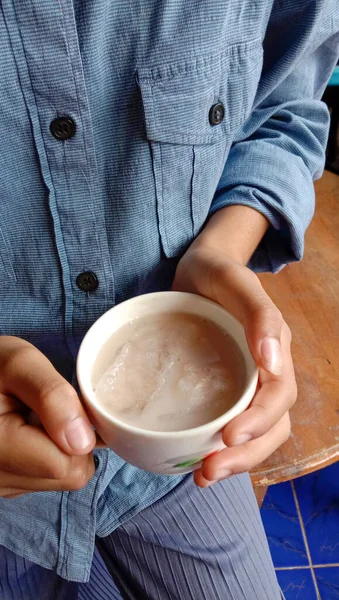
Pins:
x,y
308,295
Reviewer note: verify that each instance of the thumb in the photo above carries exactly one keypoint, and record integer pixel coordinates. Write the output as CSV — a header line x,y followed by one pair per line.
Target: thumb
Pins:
x,y
29,376
263,331
239,290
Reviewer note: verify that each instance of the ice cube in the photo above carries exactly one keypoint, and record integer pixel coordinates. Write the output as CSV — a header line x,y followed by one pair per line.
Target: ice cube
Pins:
x,y
204,353
187,383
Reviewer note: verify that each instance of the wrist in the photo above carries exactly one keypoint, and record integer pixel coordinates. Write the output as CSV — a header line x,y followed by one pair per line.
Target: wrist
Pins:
x,y
234,231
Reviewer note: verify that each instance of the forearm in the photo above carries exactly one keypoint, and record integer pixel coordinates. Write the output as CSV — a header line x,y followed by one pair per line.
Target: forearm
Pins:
x,y
234,231
280,149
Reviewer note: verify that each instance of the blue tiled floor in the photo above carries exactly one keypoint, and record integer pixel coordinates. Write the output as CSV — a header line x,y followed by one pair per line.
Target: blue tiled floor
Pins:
x,y
297,584
318,496
301,520
279,514
328,582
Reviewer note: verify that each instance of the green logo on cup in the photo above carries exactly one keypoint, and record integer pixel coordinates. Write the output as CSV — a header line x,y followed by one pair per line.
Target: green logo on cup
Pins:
x,y
188,463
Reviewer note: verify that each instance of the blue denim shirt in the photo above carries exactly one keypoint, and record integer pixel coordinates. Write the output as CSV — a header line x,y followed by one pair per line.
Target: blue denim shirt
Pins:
x,y
126,195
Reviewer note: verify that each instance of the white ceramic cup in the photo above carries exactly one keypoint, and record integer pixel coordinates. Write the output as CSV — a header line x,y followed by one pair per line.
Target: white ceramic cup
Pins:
x,y
161,451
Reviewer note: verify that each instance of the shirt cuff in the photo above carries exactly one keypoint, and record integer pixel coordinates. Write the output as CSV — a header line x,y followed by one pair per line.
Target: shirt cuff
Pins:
x,y
280,187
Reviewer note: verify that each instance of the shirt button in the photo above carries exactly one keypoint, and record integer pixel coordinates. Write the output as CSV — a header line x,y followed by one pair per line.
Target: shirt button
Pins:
x,y
87,281
62,128
216,114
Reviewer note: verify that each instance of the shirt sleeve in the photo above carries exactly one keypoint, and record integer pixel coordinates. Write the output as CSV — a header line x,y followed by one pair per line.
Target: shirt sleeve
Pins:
x,y
280,149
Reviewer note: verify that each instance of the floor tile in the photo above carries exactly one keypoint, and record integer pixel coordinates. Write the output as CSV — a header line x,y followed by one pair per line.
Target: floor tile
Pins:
x,y
318,496
279,515
328,582
297,584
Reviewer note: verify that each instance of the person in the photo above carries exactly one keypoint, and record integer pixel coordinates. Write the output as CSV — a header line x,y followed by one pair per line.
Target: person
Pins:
x,y
146,144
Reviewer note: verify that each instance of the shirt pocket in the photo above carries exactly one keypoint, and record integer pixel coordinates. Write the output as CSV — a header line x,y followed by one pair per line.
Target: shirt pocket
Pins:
x,y
188,152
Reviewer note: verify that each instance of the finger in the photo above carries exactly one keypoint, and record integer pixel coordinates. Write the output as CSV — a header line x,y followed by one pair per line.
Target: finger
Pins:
x,y
28,450
200,480
9,404
245,457
80,471
272,400
239,290
12,492
29,376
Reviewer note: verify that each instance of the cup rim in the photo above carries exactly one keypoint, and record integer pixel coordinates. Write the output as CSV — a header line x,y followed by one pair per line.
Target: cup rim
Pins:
x,y
241,404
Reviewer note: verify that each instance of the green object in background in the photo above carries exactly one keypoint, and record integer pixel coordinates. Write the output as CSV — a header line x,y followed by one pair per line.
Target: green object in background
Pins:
x,y
335,77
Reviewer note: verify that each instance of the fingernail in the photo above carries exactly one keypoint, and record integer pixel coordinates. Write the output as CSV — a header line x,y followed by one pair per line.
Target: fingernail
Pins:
x,y
223,474
242,439
271,355
79,434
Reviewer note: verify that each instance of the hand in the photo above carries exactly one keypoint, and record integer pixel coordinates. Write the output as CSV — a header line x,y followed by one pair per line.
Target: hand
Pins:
x,y
255,434
55,457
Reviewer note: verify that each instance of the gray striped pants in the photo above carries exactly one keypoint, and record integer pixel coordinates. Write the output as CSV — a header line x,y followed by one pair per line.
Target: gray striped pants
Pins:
x,y
191,544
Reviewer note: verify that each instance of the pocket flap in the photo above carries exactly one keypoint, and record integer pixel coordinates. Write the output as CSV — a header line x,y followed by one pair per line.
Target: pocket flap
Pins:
x,y
177,97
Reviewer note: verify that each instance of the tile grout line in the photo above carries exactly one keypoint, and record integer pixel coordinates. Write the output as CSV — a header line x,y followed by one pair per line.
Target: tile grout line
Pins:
x,y
291,568
305,541
306,567
324,566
